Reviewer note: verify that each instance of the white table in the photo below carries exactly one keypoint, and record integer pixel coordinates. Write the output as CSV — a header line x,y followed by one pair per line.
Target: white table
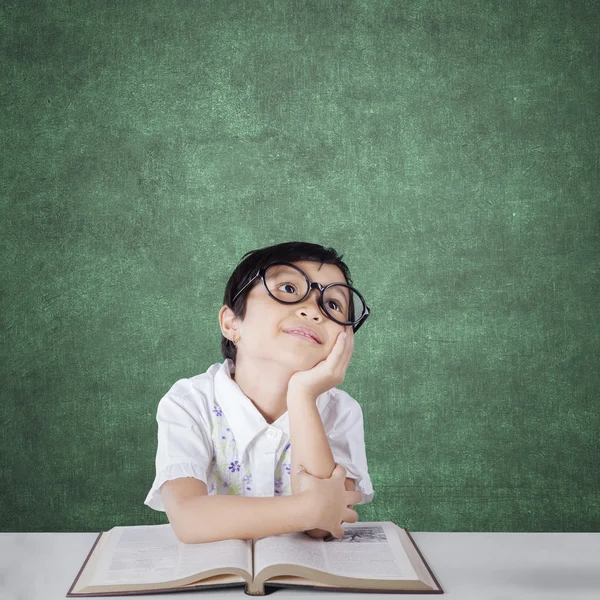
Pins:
x,y
474,566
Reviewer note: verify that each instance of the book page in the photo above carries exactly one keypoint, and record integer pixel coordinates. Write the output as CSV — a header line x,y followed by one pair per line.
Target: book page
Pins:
x,y
154,554
367,551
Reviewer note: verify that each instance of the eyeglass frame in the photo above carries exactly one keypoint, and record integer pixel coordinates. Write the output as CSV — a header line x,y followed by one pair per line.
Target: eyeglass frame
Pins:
x,y
311,285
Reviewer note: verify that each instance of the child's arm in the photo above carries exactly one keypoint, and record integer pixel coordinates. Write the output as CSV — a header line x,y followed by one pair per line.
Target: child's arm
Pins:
x,y
197,517
310,445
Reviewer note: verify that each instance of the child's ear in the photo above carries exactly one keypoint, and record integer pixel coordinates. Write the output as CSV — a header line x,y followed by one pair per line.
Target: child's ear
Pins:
x,y
227,322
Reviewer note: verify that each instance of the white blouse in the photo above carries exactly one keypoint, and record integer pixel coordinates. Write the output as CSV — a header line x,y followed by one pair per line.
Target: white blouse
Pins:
x,y
209,429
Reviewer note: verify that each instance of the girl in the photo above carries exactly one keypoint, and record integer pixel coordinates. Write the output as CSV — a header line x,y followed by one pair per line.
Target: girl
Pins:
x,y
264,443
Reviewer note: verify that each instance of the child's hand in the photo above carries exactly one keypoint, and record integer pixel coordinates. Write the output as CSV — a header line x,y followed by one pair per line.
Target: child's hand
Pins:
x,y
329,500
329,372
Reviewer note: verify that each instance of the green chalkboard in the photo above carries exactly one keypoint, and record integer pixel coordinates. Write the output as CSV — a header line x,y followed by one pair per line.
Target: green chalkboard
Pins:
x,y
448,149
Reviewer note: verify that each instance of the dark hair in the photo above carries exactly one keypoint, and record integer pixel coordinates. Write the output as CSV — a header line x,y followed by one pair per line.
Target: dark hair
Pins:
x,y
258,259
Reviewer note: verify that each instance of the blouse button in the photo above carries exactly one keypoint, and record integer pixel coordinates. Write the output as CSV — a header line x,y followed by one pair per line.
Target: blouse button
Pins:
x,y
271,433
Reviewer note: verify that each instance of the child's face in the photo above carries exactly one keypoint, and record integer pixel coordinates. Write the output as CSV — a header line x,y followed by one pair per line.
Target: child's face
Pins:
x,y
261,333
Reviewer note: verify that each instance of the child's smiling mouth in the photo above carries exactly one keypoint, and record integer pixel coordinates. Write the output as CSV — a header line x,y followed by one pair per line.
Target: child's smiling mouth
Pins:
x,y
302,335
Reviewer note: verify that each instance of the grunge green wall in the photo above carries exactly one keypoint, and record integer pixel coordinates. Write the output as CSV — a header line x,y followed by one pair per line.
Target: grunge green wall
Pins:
x,y
448,149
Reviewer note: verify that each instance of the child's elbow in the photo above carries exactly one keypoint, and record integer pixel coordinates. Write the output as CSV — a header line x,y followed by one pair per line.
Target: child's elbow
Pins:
x,y
180,535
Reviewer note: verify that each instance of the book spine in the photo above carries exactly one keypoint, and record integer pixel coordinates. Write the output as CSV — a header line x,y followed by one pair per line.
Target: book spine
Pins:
x,y
253,589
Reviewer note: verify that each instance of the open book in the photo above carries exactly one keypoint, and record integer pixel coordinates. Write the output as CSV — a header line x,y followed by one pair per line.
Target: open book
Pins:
x,y
373,557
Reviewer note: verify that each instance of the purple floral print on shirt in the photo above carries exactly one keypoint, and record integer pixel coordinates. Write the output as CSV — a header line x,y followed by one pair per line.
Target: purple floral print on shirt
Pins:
x,y
225,463
232,476
285,462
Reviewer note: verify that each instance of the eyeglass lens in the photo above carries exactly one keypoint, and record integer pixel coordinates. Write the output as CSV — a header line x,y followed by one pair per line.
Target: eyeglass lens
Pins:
x,y
288,284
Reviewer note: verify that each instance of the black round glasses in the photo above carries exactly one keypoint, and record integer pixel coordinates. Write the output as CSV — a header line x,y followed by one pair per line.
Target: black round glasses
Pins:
x,y
288,284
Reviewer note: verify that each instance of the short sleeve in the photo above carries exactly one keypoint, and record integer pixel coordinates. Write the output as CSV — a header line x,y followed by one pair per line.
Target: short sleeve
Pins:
x,y
184,445
347,441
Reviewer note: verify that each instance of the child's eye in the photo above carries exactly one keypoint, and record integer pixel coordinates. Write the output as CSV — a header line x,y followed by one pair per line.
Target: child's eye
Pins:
x,y
287,285
290,285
